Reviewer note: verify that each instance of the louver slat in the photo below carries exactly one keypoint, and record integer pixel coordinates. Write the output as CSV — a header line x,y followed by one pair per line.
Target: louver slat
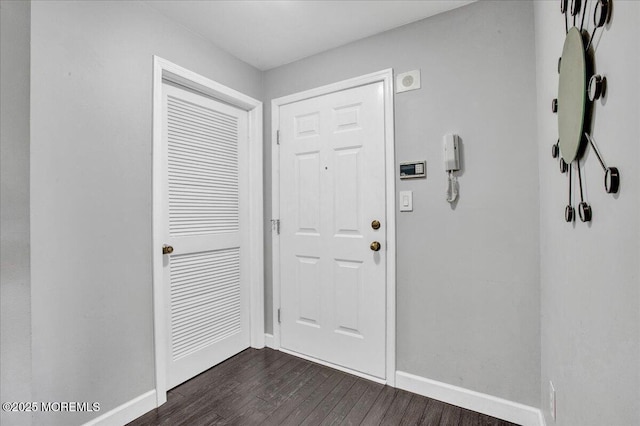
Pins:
x,y
205,299
202,168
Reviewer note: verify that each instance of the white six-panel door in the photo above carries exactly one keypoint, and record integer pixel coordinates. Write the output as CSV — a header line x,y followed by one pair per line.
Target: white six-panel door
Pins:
x,y
205,215
332,187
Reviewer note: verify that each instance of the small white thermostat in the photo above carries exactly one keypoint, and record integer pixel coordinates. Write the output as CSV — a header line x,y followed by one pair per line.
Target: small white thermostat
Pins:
x,y
416,169
408,81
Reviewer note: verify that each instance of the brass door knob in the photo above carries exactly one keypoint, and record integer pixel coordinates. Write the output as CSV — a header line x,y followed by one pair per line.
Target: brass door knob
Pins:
x,y
375,246
167,249
375,224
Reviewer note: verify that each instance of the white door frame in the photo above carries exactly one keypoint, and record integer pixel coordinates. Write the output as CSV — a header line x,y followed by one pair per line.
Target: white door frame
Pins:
x,y
165,70
386,77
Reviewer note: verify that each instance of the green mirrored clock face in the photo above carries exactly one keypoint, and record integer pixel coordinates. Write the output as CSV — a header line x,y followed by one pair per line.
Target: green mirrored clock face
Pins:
x,y
572,95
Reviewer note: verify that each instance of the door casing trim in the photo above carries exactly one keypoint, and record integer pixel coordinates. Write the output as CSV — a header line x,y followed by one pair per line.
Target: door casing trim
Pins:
x,y
166,70
386,77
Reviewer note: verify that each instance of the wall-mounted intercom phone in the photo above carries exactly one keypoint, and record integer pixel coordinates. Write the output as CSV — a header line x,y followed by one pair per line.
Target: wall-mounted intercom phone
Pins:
x,y
451,154
451,164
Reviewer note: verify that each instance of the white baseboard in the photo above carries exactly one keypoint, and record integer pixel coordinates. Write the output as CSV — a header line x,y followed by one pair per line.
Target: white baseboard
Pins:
x,y
126,412
268,340
486,404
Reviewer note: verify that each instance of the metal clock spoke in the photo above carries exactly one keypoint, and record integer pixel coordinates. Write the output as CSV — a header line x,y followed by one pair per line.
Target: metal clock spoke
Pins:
x,y
563,9
584,13
611,174
569,211
584,209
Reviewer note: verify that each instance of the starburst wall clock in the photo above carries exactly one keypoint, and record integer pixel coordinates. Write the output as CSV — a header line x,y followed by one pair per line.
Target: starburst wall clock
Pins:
x,y
578,90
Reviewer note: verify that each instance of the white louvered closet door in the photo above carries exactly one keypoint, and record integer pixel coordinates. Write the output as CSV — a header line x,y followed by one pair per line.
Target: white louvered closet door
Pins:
x,y
205,204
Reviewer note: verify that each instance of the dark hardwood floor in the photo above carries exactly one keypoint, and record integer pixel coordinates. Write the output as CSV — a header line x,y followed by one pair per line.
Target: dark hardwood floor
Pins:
x,y
273,388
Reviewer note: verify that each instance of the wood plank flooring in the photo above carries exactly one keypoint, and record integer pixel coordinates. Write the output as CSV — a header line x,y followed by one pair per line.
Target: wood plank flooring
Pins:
x,y
267,387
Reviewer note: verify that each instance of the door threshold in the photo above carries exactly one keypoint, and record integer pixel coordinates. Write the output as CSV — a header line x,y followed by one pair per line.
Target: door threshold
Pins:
x,y
335,366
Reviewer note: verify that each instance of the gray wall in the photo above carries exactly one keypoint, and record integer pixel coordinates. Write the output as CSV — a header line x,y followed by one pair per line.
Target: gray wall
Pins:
x,y
468,278
15,309
590,281
91,93
489,294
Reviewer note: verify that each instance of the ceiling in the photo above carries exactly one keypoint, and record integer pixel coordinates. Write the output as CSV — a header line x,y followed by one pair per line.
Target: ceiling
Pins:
x,y
267,34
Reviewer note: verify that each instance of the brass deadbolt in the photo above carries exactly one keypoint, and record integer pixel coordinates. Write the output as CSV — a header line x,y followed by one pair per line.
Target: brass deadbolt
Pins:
x,y
375,224
375,246
167,249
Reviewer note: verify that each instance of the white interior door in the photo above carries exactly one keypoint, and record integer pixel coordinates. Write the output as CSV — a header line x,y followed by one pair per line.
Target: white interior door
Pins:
x,y
332,187
205,213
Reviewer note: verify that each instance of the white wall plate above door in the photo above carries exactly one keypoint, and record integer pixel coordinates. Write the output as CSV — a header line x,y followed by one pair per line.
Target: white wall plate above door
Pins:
x,y
406,81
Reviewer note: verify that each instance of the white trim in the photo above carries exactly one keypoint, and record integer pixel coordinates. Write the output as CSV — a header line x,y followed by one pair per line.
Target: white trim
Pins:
x,y
163,69
256,226
486,404
275,214
159,305
268,340
126,412
385,76
335,366
390,177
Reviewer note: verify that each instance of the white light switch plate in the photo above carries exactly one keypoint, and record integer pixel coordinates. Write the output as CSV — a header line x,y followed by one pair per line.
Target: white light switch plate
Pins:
x,y
406,201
